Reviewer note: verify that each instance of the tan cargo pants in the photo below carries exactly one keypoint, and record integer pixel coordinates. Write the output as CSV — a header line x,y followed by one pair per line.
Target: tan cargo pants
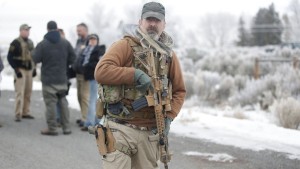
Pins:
x,y
23,89
146,157
83,94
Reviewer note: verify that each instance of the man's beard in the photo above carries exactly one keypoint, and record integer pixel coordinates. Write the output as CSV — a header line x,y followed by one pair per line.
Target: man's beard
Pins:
x,y
153,32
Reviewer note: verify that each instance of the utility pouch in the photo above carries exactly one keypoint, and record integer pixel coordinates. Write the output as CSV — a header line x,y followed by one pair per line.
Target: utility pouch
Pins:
x,y
105,140
99,109
111,93
116,108
100,139
110,141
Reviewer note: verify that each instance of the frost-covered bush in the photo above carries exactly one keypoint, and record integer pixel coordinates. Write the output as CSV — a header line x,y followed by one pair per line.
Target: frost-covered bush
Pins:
x,y
205,85
253,89
266,99
240,82
231,63
284,82
288,82
189,79
187,65
288,113
226,76
194,54
212,87
225,89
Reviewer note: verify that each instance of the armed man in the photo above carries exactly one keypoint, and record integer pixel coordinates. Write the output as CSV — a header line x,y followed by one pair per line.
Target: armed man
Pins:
x,y
142,91
20,59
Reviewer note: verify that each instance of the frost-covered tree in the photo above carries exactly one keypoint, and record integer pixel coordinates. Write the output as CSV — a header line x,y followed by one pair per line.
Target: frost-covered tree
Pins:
x,y
295,20
287,33
103,22
266,28
218,29
244,38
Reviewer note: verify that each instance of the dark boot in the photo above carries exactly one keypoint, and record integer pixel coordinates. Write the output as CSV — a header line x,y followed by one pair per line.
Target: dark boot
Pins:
x,y
49,132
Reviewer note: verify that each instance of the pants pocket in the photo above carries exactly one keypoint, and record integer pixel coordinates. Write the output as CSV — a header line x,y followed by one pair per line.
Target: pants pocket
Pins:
x,y
116,160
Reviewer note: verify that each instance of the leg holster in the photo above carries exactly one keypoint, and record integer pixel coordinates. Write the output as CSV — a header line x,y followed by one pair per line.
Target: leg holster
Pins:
x,y
105,140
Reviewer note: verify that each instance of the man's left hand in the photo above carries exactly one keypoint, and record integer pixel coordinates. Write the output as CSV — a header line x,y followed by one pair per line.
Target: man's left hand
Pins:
x,y
168,121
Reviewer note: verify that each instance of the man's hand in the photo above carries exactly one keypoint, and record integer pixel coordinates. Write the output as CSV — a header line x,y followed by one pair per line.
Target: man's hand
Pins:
x,y
142,80
18,73
168,121
33,72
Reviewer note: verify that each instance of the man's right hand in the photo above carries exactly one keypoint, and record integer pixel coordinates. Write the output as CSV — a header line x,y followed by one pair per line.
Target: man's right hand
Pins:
x,y
18,73
142,80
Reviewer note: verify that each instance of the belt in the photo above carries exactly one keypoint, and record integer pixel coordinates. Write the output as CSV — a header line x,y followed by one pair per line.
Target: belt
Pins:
x,y
142,128
138,127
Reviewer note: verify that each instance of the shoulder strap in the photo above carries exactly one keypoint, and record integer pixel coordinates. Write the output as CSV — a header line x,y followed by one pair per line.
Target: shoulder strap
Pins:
x,y
135,46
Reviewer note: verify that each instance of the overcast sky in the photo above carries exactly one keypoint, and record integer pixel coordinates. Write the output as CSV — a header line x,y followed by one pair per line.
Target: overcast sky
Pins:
x,y
69,13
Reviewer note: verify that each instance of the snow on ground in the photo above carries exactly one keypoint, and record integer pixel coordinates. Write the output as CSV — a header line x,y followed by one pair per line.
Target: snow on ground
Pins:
x,y
242,133
219,157
256,130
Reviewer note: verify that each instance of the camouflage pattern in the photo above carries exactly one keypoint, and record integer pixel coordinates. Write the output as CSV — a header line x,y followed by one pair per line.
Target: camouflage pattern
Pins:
x,y
111,93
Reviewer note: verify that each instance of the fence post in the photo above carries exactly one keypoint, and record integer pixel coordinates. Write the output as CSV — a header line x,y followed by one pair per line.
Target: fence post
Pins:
x,y
256,68
295,62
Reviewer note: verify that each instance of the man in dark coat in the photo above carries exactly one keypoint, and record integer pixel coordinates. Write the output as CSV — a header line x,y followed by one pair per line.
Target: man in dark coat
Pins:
x,y
55,54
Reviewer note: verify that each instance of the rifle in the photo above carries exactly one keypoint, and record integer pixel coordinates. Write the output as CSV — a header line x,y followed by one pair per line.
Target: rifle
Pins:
x,y
155,98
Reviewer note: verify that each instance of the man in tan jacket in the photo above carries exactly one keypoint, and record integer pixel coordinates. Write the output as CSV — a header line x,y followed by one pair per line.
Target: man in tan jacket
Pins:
x,y
131,127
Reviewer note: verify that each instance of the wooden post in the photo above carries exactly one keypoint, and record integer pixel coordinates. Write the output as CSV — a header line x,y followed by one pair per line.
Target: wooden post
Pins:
x,y
295,63
256,68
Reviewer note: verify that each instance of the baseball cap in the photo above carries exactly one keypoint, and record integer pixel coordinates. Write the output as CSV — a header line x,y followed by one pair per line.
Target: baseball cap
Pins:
x,y
153,9
51,25
24,27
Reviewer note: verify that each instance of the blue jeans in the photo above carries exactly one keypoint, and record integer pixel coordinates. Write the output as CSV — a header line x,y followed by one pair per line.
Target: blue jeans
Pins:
x,y
91,116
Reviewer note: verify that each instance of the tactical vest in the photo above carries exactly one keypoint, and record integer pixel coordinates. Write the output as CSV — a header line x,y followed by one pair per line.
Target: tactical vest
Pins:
x,y
25,55
126,94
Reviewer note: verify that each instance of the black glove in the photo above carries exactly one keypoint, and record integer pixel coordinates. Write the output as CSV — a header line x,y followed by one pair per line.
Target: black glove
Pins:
x,y
33,72
18,73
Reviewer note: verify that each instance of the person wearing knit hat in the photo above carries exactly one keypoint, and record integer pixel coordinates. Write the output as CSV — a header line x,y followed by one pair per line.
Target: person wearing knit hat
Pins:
x,y
90,57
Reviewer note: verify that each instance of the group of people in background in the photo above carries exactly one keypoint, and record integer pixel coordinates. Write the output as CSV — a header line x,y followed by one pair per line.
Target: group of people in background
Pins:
x,y
59,63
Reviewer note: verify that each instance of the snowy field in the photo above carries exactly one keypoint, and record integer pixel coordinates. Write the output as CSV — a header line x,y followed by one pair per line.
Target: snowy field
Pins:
x,y
255,130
